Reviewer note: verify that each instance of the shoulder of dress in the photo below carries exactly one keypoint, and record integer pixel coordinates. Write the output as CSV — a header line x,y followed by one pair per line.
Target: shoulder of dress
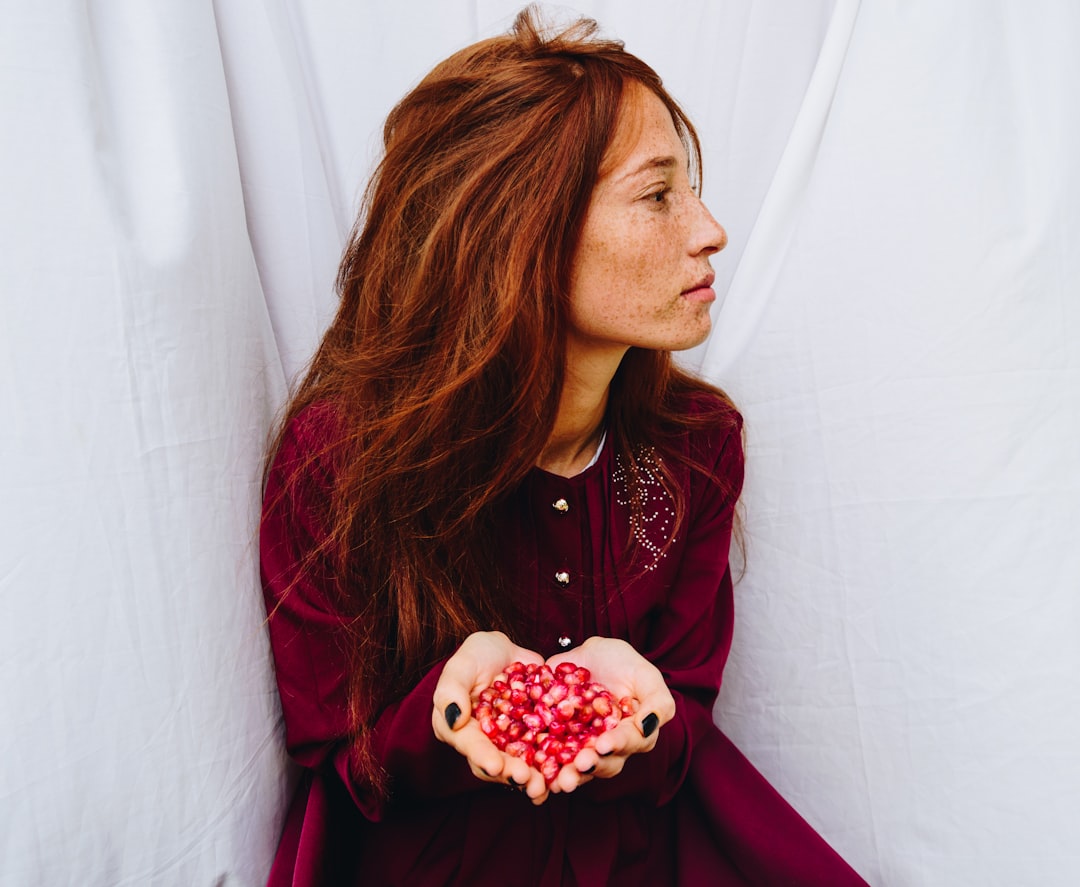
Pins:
x,y
317,423
713,405
309,442
714,426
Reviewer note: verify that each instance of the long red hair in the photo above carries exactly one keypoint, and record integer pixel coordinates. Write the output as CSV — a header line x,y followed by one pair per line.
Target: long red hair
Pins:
x,y
445,362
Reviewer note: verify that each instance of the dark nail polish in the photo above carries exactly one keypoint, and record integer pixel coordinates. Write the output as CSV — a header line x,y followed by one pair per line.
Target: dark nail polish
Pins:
x,y
514,782
590,770
453,712
649,725
484,771
606,753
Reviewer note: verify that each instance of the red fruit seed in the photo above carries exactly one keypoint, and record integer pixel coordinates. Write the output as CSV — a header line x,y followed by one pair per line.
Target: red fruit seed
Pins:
x,y
546,716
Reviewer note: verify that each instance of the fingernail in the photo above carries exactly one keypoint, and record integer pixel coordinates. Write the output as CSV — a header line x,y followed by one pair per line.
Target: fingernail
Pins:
x,y
649,725
604,754
484,771
590,770
453,712
514,782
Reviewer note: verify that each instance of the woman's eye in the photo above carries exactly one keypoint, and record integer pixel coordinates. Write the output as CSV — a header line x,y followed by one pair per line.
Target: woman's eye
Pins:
x,y
659,196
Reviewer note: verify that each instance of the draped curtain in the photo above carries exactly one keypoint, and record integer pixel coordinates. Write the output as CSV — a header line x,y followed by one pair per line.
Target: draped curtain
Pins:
x,y
900,324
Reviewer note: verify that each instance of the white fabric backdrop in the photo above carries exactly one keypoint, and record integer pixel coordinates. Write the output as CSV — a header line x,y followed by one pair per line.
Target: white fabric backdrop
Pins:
x,y
901,329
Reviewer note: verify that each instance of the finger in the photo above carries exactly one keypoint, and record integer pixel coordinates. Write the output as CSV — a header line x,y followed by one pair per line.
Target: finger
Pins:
x,y
649,724
487,770
449,720
658,702
586,761
455,715
526,786
476,748
609,767
568,778
486,761
516,771
451,703
621,739
604,766
536,787
439,726
648,720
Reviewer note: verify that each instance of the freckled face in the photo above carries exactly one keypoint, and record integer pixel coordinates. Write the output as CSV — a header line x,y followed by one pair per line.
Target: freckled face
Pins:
x,y
641,275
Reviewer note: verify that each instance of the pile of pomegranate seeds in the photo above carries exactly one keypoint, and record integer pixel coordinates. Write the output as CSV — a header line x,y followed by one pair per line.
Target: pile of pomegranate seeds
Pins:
x,y
547,715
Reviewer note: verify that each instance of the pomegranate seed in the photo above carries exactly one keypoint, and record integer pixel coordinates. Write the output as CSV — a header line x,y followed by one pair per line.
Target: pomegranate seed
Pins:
x,y
545,713
520,749
550,769
547,716
578,676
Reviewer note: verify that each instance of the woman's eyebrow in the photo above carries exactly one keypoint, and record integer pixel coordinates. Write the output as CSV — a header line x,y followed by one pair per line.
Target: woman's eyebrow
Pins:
x,y
653,163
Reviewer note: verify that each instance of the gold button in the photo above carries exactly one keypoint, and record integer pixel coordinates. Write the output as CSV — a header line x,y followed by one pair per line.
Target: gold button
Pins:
x,y
565,642
561,506
563,578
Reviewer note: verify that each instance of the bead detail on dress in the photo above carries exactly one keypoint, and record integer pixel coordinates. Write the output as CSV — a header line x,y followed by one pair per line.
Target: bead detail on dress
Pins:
x,y
563,578
561,505
565,642
652,513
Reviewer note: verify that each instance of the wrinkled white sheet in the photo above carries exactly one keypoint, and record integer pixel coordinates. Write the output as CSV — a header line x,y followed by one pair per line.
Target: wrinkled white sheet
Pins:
x,y
139,375
901,329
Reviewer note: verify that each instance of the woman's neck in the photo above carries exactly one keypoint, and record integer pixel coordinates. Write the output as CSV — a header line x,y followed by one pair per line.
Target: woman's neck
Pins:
x,y
579,424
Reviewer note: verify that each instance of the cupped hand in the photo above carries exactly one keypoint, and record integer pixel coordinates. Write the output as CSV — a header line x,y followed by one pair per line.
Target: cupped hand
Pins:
x,y
625,672
482,656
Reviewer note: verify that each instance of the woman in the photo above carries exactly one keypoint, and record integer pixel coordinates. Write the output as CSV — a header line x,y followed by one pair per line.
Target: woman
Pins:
x,y
492,458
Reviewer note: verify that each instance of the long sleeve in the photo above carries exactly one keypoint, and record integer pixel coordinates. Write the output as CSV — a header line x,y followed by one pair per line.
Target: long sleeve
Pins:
x,y
309,640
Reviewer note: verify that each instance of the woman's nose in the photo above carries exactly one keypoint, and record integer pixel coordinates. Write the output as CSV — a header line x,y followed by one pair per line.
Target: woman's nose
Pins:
x,y
711,236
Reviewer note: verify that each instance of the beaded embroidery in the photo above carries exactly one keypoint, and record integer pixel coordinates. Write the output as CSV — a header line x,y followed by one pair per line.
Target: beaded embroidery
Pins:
x,y
651,519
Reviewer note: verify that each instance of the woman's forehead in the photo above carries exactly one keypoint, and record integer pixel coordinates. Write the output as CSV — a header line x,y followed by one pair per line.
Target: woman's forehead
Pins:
x,y
645,135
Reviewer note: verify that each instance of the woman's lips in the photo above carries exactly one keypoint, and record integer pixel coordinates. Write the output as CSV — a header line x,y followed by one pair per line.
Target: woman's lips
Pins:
x,y
701,291
702,294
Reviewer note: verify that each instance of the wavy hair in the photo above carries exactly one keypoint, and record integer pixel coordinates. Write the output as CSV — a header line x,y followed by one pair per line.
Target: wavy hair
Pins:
x,y
445,362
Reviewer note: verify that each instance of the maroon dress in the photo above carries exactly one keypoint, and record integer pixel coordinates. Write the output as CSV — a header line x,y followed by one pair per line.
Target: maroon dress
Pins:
x,y
693,811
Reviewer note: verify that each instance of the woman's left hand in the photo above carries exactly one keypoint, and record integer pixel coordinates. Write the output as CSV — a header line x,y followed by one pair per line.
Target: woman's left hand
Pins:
x,y
477,661
625,672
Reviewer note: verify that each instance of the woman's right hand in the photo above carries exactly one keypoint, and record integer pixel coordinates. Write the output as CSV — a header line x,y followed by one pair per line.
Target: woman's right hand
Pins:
x,y
482,656
625,672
